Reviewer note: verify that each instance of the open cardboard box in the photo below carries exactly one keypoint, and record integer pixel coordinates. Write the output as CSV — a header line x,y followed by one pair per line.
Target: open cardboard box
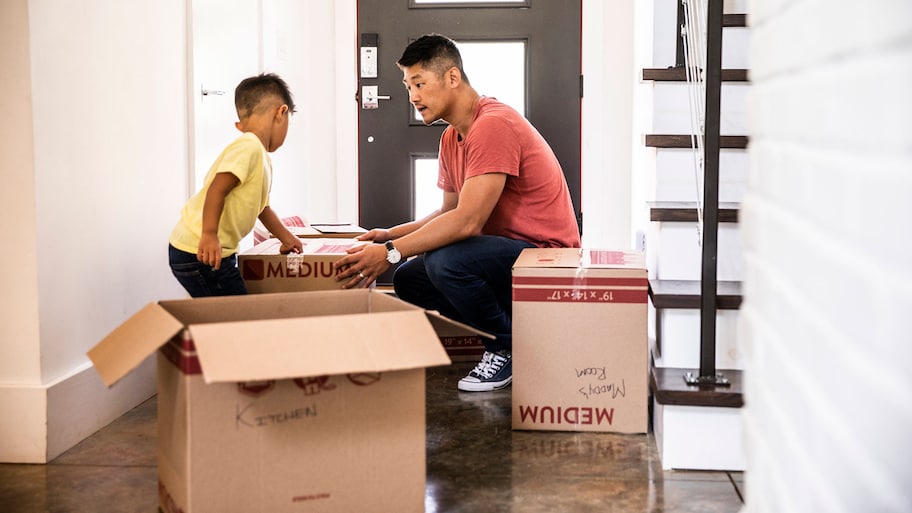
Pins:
x,y
309,401
580,353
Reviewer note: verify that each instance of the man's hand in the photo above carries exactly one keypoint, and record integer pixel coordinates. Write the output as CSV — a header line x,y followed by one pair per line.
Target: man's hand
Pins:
x,y
210,250
361,267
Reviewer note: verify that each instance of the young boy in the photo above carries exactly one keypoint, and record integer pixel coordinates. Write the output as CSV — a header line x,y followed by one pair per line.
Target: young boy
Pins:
x,y
203,246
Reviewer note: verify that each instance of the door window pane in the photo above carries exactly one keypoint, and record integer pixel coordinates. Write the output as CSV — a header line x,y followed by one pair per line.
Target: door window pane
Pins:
x,y
496,69
427,196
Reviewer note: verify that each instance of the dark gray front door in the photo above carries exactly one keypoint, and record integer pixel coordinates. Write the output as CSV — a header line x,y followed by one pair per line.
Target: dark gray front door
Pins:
x,y
392,143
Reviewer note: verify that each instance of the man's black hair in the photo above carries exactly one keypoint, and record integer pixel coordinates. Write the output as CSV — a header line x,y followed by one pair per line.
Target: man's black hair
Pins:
x,y
435,52
252,91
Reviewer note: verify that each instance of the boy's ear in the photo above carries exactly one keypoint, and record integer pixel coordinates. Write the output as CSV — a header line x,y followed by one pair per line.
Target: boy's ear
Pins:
x,y
281,111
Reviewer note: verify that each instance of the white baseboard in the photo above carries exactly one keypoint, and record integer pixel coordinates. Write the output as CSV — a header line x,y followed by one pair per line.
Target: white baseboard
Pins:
x,y
42,422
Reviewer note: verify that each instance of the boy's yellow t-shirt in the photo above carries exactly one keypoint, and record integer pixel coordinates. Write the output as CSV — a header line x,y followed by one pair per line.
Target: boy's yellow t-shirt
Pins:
x,y
247,159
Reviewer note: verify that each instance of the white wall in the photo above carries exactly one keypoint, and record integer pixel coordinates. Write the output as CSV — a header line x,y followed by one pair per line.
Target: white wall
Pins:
x,y
609,70
828,289
110,130
97,127
19,335
19,314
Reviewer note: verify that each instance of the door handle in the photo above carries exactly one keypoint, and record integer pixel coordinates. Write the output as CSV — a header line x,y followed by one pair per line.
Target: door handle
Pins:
x,y
210,92
370,99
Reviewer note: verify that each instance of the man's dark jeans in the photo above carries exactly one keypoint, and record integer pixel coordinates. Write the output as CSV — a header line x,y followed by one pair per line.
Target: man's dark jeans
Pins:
x,y
469,281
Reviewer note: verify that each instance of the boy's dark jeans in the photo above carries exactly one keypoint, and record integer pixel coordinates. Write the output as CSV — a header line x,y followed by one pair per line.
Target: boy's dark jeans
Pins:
x,y
201,280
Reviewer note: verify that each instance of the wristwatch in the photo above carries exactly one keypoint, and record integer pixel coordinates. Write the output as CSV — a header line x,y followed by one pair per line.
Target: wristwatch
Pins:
x,y
393,255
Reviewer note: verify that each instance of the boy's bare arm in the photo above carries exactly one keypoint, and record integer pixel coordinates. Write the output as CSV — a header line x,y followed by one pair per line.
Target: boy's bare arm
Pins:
x,y
290,241
210,248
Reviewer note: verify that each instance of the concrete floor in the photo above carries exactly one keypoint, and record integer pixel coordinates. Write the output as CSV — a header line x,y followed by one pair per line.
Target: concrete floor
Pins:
x,y
475,464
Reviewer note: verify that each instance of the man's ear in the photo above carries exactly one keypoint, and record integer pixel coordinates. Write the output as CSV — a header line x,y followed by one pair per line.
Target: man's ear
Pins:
x,y
281,112
453,76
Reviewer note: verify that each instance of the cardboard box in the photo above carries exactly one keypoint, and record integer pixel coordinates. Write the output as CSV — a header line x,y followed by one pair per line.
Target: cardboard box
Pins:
x,y
264,269
579,341
310,402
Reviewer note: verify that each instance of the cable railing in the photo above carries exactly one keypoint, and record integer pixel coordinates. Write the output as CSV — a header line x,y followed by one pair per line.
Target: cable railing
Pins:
x,y
693,37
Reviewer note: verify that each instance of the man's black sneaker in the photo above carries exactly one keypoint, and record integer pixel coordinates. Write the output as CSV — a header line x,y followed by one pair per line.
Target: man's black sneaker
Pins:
x,y
493,372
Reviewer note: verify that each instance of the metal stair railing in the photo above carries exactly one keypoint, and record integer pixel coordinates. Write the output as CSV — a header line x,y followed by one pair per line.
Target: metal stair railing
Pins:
x,y
708,14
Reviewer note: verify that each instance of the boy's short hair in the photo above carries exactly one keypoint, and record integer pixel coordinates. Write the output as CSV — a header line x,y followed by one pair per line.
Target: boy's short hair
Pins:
x,y
250,93
435,52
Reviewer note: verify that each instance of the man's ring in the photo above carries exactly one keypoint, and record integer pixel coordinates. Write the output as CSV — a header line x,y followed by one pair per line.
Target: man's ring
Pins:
x,y
361,275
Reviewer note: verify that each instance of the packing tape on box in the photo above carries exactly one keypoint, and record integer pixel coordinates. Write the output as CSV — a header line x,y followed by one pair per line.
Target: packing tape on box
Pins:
x,y
294,261
579,277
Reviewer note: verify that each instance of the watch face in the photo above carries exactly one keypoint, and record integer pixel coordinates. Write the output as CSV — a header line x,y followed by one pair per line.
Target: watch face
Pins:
x,y
393,256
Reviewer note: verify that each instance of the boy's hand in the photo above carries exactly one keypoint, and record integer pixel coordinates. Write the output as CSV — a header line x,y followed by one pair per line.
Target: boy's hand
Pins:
x,y
292,244
376,235
210,250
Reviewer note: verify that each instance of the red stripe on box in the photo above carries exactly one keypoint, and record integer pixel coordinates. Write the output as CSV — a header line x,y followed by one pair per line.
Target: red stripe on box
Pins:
x,y
465,351
184,341
583,281
579,295
186,363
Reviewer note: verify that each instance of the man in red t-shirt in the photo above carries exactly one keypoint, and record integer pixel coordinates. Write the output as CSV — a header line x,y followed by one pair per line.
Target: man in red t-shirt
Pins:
x,y
503,191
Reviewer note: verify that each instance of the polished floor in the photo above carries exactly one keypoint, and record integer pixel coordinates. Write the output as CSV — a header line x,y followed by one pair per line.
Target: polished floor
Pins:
x,y
475,464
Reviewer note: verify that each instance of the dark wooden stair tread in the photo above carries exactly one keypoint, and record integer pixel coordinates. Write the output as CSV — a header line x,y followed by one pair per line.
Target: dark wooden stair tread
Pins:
x,y
679,74
686,211
738,142
670,389
686,294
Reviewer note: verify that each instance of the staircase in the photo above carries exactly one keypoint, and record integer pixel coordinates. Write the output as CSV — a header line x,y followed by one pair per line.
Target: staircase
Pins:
x,y
696,427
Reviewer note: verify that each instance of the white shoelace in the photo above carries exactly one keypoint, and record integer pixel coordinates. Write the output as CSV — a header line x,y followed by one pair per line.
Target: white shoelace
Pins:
x,y
482,366
490,364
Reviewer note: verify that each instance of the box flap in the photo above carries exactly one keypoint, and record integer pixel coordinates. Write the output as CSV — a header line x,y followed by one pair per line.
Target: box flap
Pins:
x,y
131,342
316,346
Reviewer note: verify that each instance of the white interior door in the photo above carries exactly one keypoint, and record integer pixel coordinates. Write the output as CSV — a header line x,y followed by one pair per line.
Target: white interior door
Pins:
x,y
225,49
